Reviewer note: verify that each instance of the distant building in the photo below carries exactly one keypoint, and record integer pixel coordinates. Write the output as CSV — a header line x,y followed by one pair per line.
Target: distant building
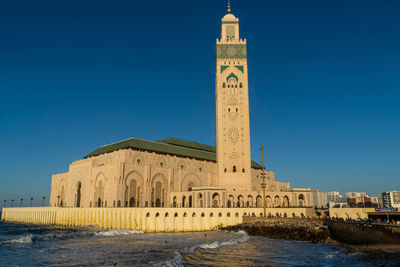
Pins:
x,y
391,199
358,199
377,200
319,199
336,200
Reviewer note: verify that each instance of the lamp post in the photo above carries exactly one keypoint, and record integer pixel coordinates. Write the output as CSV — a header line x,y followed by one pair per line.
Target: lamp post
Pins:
x,y
20,204
31,201
263,182
43,198
12,202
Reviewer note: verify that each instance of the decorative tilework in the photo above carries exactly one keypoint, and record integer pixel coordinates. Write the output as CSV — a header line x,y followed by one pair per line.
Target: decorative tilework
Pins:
x,y
232,75
240,68
231,51
223,68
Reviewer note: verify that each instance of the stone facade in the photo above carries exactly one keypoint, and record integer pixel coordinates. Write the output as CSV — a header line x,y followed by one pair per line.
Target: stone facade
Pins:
x,y
144,219
177,173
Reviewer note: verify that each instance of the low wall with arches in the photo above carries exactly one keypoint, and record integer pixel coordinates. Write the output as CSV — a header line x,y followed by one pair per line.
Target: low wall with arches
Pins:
x,y
350,213
144,219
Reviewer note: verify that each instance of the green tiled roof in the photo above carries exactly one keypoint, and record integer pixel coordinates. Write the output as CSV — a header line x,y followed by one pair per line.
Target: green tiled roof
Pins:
x,y
170,146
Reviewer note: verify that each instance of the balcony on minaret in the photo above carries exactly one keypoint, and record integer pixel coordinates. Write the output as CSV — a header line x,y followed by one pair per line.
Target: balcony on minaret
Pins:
x,y
240,41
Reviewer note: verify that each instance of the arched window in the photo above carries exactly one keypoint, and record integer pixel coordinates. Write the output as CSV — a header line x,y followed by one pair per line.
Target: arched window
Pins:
x,y
237,109
225,170
229,109
243,170
138,161
223,85
240,85
234,169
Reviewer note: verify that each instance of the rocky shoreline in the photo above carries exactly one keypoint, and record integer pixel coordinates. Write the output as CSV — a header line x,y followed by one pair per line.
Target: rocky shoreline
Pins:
x,y
291,230
314,231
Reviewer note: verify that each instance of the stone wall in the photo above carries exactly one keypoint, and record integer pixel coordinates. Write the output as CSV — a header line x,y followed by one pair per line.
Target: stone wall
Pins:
x,y
144,219
350,213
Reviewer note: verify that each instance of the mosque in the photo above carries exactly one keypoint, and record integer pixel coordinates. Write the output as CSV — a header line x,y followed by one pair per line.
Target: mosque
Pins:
x,y
179,173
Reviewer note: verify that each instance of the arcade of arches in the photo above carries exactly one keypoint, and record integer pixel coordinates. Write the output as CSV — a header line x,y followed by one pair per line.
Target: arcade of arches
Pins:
x,y
143,182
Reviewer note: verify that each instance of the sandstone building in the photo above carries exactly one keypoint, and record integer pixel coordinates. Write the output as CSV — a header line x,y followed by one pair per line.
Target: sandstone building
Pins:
x,y
178,173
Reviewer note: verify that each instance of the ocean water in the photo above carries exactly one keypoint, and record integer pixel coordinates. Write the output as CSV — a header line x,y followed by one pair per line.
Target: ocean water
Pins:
x,y
30,245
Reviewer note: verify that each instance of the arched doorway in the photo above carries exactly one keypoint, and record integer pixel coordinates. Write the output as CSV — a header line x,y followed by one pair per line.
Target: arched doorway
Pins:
x,y
215,200
99,191
277,202
190,201
62,196
132,202
259,202
158,194
269,202
78,195
159,191
100,194
285,201
240,203
134,182
200,200
250,201
301,200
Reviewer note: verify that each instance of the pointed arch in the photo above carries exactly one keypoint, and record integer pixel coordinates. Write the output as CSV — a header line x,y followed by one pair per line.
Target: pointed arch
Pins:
x,y
134,186
189,181
232,76
159,187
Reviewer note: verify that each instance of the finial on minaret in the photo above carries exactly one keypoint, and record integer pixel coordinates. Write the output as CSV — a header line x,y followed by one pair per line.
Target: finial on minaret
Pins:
x,y
229,7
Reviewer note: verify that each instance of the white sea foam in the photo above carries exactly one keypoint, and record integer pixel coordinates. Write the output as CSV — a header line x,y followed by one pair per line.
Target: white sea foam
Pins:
x,y
219,243
118,232
21,240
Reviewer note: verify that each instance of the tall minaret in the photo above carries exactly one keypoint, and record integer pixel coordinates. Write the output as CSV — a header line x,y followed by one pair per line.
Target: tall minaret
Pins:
x,y
232,99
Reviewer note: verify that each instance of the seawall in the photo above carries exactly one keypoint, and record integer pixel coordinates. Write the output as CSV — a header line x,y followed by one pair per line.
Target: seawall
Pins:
x,y
144,219
364,234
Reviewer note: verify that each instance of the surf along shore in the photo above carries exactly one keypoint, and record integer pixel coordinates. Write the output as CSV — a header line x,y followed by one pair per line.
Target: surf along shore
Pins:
x,y
373,241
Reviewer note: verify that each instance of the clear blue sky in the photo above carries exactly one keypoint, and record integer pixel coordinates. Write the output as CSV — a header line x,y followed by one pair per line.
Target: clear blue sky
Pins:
x,y
324,85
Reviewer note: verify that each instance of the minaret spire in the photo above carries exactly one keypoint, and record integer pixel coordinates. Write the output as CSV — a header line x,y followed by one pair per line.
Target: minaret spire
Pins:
x,y
229,7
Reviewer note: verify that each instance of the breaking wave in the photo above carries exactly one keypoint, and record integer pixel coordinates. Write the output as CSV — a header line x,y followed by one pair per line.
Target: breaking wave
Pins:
x,y
21,240
29,238
118,232
178,260
219,243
